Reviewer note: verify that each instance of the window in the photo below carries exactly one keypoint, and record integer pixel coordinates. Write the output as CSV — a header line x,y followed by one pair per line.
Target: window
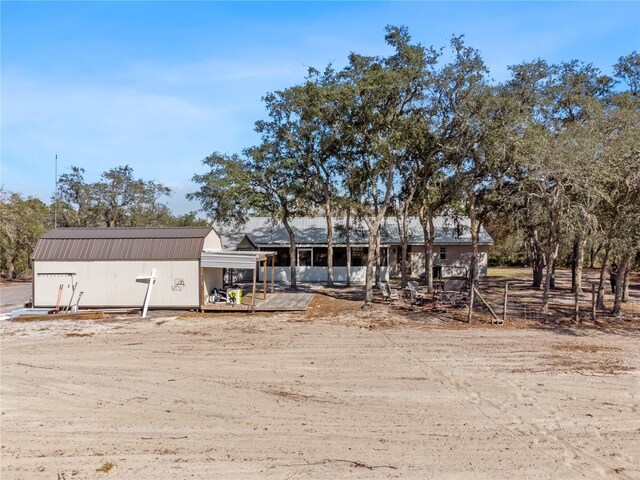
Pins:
x,y
320,257
339,257
443,253
304,257
282,258
359,256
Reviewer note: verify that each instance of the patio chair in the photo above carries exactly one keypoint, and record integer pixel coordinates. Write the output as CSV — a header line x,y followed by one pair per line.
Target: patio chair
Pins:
x,y
388,294
414,294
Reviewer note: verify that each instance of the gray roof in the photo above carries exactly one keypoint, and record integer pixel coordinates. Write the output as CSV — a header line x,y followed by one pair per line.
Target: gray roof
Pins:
x,y
74,244
313,230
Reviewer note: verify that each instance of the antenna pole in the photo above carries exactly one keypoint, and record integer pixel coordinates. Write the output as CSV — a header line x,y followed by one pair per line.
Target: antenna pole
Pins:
x,y
55,208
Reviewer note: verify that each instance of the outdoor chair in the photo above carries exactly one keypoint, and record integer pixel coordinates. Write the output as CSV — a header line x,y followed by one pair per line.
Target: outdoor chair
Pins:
x,y
414,294
388,294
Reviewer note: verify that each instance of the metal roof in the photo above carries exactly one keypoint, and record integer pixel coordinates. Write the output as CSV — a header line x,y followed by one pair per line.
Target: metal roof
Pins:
x,y
75,244
126,232
232,259
263,231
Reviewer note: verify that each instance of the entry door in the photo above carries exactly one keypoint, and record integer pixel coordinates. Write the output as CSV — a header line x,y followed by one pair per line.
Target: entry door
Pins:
x,y
305,257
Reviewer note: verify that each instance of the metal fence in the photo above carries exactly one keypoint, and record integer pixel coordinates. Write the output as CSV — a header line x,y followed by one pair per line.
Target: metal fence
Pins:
x,y
578,307
515,308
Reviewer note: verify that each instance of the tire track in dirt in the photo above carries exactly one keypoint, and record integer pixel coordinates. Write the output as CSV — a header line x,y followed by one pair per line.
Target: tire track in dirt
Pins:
x,y
571,452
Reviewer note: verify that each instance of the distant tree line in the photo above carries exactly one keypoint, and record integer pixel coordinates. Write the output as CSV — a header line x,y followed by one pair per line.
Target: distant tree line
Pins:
x,y
117,199
548,160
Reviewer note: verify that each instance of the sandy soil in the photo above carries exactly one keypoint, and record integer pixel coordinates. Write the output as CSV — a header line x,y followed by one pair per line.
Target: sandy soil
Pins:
x,y
334,393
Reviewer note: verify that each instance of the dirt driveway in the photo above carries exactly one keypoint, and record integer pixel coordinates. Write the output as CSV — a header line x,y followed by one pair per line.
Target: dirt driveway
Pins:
x,y
14,295
358,395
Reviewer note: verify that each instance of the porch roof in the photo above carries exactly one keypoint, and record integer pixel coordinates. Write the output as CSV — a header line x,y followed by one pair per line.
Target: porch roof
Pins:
x,y
247,260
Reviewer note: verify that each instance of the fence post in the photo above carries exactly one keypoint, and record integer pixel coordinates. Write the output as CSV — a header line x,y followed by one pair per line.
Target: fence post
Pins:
x,y
506,296
576,297
593,301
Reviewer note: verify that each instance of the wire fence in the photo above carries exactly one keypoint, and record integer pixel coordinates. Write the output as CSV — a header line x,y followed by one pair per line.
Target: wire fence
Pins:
x,y
577,306
519,309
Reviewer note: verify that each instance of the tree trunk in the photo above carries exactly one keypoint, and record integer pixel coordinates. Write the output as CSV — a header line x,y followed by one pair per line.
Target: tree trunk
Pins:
x,y
574,266
368,282
427,229
554,209
552,254
625,285
603,276
405,252
10,269
348,244
377,257
538,261
474,226
374,227
374,232
293,260
476,277
579,263
622,272
328,212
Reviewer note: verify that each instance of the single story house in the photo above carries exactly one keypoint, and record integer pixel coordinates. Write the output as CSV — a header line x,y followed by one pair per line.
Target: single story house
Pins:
x,y
112,266
451,254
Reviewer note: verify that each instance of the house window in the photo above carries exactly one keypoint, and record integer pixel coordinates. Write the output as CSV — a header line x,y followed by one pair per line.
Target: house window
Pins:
x,y
282,257
304,257
359,256
443,253
339,257
320,257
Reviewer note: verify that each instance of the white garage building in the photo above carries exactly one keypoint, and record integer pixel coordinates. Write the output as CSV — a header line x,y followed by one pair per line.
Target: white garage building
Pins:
x,y
109,266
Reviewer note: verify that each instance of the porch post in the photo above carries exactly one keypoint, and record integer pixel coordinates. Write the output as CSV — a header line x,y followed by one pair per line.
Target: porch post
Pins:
x,y
264,278
273,270
201,282
253,294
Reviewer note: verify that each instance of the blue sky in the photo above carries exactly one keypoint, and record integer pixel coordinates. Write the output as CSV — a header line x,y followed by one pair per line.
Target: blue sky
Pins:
x,y
160,85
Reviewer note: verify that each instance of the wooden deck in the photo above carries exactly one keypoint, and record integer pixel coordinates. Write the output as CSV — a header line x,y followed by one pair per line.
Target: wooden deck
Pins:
x,y
275,302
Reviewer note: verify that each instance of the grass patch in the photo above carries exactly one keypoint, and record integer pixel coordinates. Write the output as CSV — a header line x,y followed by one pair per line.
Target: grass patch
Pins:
x,y
509,272
106,467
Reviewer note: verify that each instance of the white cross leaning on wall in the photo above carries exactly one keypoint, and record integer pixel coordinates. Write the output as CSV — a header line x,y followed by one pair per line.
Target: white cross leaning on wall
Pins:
x,y
151,279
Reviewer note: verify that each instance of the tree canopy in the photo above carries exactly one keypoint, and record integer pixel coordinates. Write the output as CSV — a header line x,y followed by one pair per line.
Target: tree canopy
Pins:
x,y
547,160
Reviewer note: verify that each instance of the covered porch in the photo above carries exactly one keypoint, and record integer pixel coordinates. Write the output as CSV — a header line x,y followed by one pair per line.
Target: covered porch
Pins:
x,y
212,266
279,301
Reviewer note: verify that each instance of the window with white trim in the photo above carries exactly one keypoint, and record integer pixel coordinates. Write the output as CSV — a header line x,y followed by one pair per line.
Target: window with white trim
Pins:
x,y
443,253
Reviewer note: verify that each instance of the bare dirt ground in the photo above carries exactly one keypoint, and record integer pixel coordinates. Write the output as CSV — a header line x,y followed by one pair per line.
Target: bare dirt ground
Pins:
x,y
337,392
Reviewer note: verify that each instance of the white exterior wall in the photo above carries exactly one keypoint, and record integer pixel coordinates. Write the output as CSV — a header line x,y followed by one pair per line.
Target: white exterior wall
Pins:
x,y
319,274
455,265
113,283
212,241
213,278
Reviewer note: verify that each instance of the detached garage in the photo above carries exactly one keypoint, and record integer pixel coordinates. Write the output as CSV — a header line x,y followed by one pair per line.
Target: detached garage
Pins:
x,y
110,265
